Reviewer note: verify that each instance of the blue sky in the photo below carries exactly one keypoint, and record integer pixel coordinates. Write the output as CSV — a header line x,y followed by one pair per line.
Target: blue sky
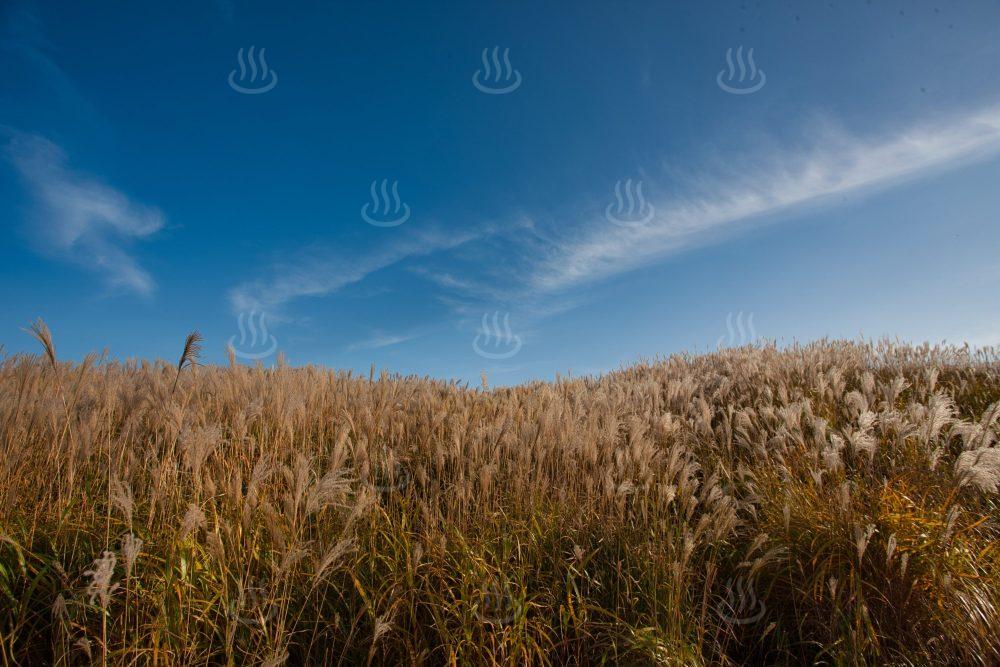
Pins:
x,y
852,192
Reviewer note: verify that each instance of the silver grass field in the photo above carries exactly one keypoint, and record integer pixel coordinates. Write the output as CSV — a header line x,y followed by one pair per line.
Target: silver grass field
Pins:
x,y
831,503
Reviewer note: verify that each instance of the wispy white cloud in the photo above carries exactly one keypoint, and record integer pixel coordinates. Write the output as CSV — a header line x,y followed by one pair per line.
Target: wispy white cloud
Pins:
x,y
320,272
78,218
485,287
531,269
30,56
835,164
380,340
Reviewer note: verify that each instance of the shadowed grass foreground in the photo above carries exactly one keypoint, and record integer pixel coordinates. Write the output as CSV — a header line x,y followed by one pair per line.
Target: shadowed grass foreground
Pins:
x,y
832,503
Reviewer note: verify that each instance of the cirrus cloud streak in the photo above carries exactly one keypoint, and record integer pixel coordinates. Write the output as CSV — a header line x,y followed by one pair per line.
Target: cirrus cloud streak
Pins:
x,y
77,218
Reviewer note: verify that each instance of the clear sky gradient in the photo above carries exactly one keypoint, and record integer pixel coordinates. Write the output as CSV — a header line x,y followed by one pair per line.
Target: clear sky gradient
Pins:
x,y
849,187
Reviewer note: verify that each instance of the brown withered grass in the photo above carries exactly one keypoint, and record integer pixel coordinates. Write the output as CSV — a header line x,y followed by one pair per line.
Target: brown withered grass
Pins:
x,y
834,503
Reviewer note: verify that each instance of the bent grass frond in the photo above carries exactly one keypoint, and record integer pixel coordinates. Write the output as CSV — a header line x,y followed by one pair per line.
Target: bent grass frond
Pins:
x,y
190,355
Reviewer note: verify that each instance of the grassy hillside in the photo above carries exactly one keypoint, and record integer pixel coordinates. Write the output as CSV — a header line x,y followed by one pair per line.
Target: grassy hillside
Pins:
x,y
833,503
